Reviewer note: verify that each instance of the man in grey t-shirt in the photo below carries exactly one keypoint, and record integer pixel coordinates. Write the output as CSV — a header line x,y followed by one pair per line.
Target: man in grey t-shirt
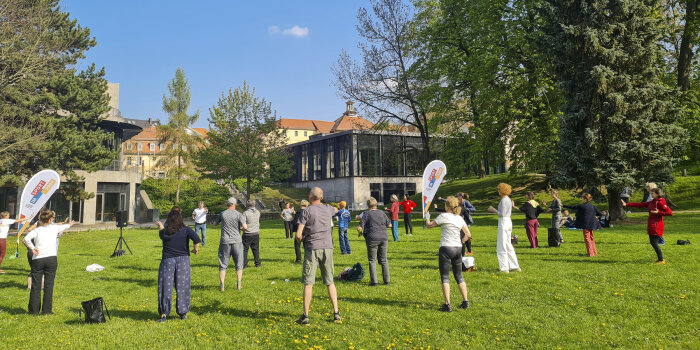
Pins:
x,y
315,230
231,243
251,236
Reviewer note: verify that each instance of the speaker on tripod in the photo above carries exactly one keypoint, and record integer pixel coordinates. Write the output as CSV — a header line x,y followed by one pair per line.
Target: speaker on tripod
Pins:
x,y
122,217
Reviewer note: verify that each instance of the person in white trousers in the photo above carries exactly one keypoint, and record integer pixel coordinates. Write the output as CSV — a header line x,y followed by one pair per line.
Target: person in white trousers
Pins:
x,y
507,261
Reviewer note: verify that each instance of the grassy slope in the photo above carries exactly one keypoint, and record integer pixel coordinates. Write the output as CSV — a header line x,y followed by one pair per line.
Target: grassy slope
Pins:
x,y
561,299
685,191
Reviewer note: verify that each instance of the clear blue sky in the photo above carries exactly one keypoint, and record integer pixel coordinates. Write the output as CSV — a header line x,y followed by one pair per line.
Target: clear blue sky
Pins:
x,y
220,44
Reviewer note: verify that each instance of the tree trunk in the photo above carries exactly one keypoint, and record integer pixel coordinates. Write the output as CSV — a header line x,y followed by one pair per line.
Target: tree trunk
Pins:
x,y
177,193
482,164
690,32
247,189
615,208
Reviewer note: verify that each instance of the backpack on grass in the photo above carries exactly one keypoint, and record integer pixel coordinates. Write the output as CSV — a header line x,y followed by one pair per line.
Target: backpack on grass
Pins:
x,y
93,311
356,273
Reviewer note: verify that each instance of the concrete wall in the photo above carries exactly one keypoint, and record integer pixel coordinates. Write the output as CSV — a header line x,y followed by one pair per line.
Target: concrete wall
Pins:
x,y
91,180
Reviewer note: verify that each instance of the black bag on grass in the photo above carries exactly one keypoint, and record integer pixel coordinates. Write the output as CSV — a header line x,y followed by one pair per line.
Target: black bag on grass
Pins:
x,y
553,237
356,274
682,242
93,311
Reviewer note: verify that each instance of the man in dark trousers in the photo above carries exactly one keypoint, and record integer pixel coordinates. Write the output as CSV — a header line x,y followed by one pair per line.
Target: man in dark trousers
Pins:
x,y
251,236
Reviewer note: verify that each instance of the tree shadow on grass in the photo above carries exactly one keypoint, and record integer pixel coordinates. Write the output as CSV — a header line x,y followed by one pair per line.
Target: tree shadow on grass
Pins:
x,y
229,311
12,284
379,301
584,259
14,310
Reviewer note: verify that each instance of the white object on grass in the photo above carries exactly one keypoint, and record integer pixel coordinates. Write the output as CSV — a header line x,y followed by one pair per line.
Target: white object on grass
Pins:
x,y
468,261
94,268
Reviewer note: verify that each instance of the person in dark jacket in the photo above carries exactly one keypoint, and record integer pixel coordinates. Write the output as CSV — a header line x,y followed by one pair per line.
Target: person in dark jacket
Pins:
x,y
532,210
373,227
297,244
174,270
586,219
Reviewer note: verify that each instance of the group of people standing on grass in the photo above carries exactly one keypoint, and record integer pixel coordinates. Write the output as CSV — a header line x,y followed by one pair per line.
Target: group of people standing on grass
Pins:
x,y
312,226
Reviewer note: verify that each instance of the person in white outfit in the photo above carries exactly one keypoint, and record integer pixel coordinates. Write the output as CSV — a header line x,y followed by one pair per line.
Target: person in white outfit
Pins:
x,y
507,261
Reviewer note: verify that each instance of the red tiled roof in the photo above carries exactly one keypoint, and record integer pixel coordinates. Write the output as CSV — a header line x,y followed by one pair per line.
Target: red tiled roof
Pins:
x,y
323,126
149,133
202,131
351,123
301,124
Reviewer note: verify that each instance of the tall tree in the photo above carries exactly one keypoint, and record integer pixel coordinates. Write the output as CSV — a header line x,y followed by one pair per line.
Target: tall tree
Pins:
x,y
487,57
681,41
245,141
617,129
177,136
383,84
50,112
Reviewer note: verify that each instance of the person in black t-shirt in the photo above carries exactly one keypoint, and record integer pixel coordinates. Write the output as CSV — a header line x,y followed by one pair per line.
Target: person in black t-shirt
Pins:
x,y
174,270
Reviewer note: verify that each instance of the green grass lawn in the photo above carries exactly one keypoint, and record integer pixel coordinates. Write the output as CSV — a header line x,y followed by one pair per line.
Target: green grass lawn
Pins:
x,y
561,299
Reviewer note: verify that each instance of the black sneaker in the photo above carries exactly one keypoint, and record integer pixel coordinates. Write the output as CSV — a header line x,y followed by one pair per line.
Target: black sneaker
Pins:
x,y
446,308
464,305
337,317
373,284
303,320
183,317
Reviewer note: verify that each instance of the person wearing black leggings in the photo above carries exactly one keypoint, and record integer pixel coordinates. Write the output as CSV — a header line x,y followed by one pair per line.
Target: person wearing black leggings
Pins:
x,y
655,225
450,253
287,216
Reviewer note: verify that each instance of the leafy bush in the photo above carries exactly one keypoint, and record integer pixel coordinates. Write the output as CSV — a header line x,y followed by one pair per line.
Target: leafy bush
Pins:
x,y
162,194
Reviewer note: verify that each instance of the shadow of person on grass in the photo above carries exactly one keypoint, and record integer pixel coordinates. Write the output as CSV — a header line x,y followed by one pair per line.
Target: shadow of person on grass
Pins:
x,y
12,284
14,310
217,308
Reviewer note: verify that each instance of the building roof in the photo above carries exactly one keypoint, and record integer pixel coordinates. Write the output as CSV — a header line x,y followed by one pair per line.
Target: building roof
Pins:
x,y
301,124
323,127
347,122
149,133
202,131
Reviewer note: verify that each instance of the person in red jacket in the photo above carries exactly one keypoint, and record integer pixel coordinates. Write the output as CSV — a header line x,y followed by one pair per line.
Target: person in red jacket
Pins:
x,y
655,226
408,206
394,211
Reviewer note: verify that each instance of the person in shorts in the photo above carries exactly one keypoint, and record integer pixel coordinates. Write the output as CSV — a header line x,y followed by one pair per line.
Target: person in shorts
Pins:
x,y
315,230
231,243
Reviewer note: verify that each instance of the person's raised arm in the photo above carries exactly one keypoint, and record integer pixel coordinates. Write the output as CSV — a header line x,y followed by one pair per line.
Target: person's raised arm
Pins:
x,y
634,205
492,210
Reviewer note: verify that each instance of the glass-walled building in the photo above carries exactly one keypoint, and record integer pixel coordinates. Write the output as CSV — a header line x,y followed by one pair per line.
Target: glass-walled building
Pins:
x,y
356,164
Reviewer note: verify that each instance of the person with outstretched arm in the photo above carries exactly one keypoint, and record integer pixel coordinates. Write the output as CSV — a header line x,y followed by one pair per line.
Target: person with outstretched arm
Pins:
x,y
315,230
5,223
450,254
42,242
657,208
408,206
587,219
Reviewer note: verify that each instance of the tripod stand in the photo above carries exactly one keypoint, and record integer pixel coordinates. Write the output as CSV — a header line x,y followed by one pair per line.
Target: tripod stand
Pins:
x,y
120,251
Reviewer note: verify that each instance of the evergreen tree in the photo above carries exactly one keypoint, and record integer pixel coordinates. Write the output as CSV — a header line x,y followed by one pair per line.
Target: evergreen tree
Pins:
x,y
244,141
50,112
179,139
617,129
